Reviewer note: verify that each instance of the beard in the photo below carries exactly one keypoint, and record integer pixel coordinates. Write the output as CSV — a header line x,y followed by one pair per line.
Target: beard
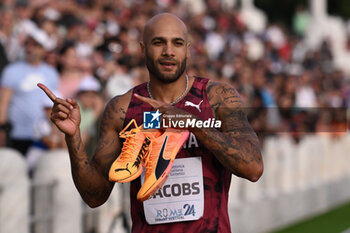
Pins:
x,y
166,78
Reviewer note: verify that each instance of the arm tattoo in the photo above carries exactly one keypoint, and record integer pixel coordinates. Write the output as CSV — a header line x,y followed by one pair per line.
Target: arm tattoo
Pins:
x,y
236,145
91,177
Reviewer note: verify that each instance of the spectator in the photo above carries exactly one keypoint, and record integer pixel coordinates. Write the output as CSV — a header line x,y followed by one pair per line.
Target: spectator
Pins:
x,y
119,81
70,73
21,102
8,39
107,33
305,96
300,20
91,106
46,137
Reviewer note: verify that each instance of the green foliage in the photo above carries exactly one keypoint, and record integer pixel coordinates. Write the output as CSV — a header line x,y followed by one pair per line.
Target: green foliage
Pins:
x,y
280,11
340,8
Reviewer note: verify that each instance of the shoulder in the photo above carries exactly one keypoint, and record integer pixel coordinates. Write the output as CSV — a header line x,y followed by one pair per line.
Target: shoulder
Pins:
x,y
14,66
121,100
116,108
213,85
222,92
49,69
218,85
12,73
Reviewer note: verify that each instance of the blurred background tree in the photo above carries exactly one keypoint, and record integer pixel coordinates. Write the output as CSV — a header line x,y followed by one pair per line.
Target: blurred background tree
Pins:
x,y
283,11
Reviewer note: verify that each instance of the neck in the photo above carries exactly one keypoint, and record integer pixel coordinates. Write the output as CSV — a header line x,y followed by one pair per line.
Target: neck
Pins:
x,y
168,92
34,62
70,70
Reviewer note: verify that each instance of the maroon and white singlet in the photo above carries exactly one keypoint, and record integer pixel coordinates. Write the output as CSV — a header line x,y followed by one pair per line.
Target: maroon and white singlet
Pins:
x,y
216,178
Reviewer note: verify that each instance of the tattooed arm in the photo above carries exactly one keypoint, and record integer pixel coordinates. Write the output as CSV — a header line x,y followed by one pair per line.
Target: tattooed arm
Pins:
x,y
236,145
90,177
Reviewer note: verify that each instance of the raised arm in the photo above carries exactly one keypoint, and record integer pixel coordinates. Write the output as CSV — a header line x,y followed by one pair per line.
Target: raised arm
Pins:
x,y
90,176
235,145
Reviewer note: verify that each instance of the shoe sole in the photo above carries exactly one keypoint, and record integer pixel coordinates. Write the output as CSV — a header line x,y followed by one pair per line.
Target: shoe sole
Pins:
x,y
159,183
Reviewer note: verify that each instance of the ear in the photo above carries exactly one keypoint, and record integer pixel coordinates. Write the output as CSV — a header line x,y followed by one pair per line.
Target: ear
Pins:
x,y
188,54
142,46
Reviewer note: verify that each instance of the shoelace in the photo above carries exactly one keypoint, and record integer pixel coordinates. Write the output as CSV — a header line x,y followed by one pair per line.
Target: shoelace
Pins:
x,y
129,145
146,154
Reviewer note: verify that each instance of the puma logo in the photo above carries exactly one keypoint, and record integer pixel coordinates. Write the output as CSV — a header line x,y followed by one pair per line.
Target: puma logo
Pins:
x,y
122,169
189,103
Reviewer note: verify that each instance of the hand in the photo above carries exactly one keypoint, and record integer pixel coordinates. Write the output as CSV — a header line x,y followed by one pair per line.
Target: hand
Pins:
x,y
156,104
65,113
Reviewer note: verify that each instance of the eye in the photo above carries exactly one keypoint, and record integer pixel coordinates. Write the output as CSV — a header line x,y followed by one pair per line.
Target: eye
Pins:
x,y
157,42
179,43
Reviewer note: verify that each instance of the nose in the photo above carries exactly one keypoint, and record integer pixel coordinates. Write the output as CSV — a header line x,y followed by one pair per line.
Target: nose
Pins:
x,y
168,50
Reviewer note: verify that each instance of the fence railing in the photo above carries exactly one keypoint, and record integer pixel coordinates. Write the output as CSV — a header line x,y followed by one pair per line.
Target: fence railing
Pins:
x,y
42,212
293,171
0,207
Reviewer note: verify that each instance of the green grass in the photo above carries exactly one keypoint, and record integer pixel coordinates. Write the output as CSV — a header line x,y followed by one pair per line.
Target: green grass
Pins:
x,y
334,221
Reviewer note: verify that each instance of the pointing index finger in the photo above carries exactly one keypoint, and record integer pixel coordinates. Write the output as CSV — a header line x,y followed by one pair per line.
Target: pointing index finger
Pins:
x,y
47,91
154,103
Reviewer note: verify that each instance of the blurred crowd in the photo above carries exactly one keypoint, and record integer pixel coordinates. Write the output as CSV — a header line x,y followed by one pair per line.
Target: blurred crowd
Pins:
x,y
89,50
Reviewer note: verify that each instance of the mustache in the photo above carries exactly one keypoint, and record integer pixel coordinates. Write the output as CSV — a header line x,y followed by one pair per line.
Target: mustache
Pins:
x,y
167,60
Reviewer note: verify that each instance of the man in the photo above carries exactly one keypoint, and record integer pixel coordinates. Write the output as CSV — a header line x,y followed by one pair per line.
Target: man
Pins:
x,y
20,99
231,149
91,106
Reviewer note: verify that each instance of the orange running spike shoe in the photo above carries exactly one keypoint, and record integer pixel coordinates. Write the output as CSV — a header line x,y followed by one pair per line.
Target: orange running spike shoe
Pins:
x,y
128,166
160,160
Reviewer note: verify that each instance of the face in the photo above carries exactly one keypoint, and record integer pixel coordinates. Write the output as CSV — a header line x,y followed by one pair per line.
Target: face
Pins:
x,y
166,50
34,51
87,98
69,59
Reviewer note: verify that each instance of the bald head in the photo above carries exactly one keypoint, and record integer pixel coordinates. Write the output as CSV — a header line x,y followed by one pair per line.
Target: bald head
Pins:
x,y
163,22
165,47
